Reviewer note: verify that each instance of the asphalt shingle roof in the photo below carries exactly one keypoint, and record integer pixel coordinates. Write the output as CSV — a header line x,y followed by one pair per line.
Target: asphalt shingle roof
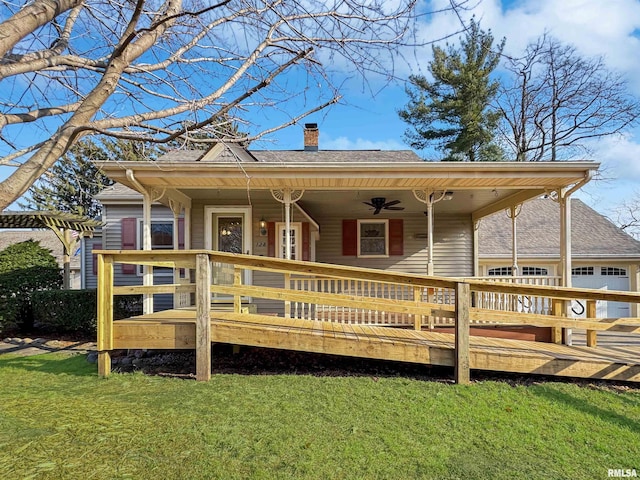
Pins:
x,y
296,156
538,233
47,240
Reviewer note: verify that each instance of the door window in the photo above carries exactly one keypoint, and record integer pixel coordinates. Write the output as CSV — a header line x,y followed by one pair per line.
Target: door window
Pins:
x,y
229,234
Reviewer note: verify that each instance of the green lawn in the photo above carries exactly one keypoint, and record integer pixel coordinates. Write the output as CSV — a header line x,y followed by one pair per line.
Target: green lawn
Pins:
x,y
59,420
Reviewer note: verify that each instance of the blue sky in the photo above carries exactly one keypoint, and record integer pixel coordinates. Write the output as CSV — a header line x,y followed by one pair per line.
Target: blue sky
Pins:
x,y
608,28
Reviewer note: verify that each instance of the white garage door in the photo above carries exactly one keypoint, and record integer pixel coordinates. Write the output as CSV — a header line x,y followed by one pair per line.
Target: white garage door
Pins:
x,y
609,278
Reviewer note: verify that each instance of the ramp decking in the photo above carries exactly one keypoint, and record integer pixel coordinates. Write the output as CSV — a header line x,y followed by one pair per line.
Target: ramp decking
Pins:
x,y
177,329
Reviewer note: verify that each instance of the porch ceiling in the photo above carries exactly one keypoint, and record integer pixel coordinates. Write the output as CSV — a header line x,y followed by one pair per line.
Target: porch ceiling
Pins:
x,y
477,186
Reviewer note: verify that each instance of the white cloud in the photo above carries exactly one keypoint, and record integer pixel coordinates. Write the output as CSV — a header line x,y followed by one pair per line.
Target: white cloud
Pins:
x,y
619,156
344,143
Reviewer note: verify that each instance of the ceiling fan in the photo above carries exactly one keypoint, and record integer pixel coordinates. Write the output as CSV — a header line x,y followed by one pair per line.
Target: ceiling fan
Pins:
x,y
380,203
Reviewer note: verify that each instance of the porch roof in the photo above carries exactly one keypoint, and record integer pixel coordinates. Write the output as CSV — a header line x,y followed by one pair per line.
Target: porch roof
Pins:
x,y
491,186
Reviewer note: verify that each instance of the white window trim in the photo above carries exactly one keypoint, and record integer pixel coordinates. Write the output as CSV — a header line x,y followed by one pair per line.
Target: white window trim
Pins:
x,y
386,237
139,226
247,212
297,228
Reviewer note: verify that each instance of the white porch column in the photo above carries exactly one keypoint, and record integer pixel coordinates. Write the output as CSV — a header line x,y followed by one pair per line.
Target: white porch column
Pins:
x,y
287,223
476,249
430,235
147,200
430,197
147,271
176,208
287,197
187,229
513,213
564,199
565,237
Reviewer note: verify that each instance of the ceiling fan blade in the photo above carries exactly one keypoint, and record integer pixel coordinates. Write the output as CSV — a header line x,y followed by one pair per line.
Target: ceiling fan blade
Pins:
x,y
370,204
391,203
394,208
377,211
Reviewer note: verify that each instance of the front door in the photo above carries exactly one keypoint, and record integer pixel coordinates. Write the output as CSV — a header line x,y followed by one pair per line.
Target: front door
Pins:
x,y
228,229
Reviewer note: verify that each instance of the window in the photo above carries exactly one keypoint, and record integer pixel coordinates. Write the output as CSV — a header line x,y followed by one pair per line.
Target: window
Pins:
x,y
294,232
373,238
581,271
524,271
613,271
499,271
537,271
161,239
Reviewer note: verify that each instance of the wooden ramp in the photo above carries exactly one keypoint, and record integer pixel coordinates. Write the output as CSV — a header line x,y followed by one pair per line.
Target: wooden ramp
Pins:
x,y
176,329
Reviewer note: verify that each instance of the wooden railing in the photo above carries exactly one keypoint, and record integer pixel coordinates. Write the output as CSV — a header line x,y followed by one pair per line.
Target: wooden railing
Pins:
x,y
514,302
365,289
322,292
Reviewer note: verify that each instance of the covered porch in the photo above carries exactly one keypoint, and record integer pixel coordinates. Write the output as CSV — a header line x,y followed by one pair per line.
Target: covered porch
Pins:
x,y
321,210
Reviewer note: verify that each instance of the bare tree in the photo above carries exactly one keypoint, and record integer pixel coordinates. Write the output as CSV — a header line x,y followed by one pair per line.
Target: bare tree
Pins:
x,y
626,215
558,100
156,70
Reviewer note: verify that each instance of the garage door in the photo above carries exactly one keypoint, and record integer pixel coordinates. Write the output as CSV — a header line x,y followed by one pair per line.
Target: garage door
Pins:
x,y
609,278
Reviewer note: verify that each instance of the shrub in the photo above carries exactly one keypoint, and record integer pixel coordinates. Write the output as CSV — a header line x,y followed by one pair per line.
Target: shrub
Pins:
x,y
25,267
65,311
126,306
75,311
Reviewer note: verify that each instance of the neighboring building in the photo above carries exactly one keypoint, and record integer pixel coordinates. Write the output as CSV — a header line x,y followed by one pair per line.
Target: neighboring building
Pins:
x,y
361,208
603,256
47,239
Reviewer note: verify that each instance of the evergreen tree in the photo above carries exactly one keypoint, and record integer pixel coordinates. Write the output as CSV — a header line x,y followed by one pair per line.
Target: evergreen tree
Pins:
x,y
453,111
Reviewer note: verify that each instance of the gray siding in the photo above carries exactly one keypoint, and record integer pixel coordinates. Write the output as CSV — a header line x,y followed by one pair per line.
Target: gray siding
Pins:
x,y
111,234
453,246
453,243
90,244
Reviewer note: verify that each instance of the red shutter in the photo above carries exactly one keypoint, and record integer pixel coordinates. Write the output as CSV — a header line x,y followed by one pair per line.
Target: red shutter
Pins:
x,y
396,237
271,239
128,241
94,257
306,242
181,234
349,237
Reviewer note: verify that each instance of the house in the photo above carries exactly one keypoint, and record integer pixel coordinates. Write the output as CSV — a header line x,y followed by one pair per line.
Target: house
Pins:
x,y
50,241
602,255
381,209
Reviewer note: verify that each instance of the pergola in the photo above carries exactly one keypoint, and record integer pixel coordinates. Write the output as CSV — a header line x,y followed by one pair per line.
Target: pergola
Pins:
x,y
61,223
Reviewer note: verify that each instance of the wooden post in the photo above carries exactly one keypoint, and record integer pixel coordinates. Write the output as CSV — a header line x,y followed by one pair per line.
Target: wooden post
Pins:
x,y
287,303
203,318
557,310
417,319
237,282
592,335
462,366
105,314
431,298
66,276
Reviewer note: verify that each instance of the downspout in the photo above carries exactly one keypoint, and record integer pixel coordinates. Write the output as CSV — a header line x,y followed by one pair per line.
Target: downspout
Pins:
x,y
147,273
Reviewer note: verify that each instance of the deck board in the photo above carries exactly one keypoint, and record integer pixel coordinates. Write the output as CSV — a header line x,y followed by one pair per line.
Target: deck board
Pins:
x,y
176,329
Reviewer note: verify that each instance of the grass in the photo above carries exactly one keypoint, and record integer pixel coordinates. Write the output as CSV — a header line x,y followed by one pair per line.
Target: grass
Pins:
x,y
59,420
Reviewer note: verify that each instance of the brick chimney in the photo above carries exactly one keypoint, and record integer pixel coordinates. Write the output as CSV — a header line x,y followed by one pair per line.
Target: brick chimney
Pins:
x,y
311,137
